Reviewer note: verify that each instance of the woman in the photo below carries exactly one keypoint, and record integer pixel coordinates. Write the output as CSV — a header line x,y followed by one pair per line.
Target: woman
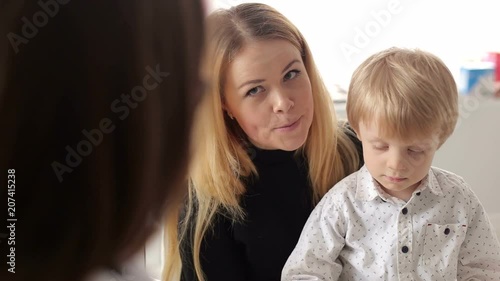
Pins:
x,y
267,148
96,104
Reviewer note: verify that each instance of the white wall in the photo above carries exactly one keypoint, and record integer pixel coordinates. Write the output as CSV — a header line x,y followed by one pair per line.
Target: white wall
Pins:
x,y
473,151
453,30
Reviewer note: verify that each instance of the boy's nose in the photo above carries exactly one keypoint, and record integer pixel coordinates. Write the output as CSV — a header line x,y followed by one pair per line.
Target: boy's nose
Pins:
x,y
396,162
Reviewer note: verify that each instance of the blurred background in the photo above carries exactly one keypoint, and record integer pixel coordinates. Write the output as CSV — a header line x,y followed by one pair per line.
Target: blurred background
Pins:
x,y
342,34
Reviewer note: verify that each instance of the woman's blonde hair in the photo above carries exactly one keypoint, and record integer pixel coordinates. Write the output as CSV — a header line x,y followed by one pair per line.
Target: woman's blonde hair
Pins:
x,y
409,93
220,156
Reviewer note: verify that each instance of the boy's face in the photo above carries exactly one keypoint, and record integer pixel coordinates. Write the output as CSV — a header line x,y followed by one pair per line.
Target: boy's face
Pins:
x,y
398,166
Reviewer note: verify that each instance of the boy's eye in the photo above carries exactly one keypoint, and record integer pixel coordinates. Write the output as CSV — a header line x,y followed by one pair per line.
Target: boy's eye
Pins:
x,y
291,74
254,91
381,147
415,150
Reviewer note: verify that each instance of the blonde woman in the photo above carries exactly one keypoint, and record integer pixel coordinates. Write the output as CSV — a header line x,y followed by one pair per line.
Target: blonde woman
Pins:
x,y
267,148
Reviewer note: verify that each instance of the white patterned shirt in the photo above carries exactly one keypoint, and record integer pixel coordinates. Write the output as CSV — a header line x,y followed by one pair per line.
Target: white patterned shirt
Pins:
x,y
359,232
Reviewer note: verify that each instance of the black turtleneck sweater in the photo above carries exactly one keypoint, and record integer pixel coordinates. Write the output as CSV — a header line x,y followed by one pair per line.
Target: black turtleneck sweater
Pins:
x,y
277,205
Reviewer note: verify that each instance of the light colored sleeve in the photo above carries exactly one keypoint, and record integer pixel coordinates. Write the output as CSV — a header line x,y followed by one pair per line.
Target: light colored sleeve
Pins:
x,y
479,257
322,239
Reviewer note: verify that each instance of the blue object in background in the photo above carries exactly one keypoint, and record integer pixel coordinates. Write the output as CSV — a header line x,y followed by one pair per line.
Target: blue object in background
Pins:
x,y
477,79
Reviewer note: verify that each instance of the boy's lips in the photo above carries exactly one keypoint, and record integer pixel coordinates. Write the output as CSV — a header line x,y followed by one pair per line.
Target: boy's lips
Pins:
x,y
395,179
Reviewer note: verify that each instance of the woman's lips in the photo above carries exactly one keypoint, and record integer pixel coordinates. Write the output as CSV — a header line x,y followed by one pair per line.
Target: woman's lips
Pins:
x,y
289,127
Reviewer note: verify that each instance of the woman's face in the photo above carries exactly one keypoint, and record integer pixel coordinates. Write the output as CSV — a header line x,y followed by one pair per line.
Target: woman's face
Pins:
x,y
268,92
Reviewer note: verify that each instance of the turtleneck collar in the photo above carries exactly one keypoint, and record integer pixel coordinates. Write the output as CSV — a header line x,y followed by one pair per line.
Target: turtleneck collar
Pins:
x,y
266,156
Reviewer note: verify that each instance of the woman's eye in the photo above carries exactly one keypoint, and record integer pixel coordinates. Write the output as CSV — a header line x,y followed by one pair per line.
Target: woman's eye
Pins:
x,y
381,147
254,91
415,150
291,74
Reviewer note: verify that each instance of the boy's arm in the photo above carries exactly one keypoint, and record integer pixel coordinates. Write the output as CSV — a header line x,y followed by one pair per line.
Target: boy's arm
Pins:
x,y
322,239
479,257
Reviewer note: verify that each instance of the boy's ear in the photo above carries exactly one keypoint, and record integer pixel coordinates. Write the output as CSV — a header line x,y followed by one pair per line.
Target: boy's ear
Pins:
x,y
357,133
355,130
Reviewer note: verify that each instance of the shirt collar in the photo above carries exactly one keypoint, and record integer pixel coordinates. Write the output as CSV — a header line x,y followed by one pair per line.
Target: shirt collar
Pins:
x,y
432,183
367,188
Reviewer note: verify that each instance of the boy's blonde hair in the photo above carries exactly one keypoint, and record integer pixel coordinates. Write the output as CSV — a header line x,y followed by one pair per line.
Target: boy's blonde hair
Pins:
x,y
409,93
220,154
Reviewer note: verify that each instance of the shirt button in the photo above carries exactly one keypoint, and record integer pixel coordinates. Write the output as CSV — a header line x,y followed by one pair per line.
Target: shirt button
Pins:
x,y
405,249
405,211
447,231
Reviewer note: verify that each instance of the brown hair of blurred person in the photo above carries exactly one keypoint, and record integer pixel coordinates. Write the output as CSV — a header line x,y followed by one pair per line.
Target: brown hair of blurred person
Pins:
x,y
94,170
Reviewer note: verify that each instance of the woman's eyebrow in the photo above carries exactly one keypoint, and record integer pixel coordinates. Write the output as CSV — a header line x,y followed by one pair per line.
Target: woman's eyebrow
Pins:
x,y
289,64
256,81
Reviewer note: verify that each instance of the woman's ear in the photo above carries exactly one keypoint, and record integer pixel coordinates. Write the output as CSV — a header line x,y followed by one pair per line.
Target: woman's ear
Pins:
x,y
226,109
223,104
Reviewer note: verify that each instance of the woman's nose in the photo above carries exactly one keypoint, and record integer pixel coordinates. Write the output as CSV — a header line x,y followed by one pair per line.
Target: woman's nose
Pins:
x,y
282,102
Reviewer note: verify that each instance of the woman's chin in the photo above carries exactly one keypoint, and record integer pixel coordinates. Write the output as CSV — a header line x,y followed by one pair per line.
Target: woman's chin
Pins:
x,y
291,145
286,144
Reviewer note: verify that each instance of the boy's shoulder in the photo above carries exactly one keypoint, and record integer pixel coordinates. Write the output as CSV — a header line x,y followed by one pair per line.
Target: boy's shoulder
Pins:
x,y
345,188
446,177
450,182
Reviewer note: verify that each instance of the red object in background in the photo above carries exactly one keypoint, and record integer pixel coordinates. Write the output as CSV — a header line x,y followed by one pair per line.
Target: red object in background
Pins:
x,y
495,58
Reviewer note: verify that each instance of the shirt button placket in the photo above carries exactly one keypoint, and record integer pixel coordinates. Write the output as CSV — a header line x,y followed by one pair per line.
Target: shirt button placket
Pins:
x,y
405,242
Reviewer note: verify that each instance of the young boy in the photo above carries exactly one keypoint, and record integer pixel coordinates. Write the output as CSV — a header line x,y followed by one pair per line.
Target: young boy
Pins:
x,y
398,218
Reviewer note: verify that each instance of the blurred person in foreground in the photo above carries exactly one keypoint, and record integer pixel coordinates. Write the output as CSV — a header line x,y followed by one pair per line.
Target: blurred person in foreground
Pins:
x,y
96,105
